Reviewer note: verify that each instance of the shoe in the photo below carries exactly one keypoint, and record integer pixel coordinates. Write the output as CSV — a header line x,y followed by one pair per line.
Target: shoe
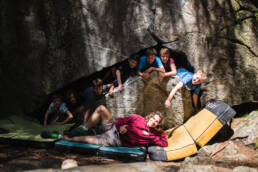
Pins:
x,y
50,135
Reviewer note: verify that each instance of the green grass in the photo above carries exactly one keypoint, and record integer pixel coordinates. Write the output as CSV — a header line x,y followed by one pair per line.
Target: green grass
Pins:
x,y
255,141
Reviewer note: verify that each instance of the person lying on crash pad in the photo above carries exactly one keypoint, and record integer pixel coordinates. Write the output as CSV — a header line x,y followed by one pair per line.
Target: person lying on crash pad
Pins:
x,y
131,131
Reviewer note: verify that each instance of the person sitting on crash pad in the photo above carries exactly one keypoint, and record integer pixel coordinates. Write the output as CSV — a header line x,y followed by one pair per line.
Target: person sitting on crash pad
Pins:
x,y
57,112
191,82
131,131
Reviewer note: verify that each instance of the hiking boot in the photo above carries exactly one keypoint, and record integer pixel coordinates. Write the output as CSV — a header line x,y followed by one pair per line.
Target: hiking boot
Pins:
x,y
50,135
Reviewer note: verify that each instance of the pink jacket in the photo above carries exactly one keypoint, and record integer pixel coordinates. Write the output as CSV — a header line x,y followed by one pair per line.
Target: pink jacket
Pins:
x,y
138,133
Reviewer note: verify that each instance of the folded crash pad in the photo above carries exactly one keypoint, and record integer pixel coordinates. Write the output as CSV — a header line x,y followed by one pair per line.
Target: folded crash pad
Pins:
x,y
120,153
199,129
180,145
204,125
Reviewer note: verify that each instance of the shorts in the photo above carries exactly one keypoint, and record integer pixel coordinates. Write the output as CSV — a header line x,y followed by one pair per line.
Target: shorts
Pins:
x,y
110,136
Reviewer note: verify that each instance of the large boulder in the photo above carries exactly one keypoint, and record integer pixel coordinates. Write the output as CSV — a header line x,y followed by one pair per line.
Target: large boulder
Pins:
x,y
46,44
143,96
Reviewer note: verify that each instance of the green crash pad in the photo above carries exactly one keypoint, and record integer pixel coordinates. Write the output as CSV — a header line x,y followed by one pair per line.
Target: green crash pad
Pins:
x,y
22,129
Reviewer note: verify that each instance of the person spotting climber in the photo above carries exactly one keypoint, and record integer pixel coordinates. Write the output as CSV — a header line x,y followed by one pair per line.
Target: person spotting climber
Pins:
x,y
168,63
148,63
191,82
126,69
131,131
57,112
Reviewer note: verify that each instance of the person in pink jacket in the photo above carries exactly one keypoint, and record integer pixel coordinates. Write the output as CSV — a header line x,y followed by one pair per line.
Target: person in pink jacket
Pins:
x,y
131,131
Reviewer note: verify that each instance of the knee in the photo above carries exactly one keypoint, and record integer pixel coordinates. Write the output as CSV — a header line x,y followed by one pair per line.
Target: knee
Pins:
x,y
101,108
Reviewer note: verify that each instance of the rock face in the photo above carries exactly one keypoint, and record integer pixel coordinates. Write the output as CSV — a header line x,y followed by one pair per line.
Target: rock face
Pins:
x,y
248,129
145,96
48,44
125,102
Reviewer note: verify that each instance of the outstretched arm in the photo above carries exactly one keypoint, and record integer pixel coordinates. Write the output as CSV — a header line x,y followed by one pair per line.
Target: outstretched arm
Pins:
x,y
111,89
69,116
173,70
172,93
159,69
86,116
118,77
144,75
171,73
45,119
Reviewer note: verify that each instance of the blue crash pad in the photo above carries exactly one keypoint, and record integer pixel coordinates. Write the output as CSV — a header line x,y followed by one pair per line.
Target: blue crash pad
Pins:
x,y
120,153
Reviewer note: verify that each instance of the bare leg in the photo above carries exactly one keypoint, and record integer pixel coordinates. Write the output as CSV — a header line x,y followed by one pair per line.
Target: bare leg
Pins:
x,y
100,114
85,139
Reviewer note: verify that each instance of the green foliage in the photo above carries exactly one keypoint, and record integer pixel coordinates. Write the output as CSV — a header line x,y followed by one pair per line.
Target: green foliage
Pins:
x,y
255,141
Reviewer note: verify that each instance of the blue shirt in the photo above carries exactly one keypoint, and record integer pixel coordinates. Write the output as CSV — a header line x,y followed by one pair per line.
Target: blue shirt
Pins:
x,y
53,109
186,77
89,96
143,65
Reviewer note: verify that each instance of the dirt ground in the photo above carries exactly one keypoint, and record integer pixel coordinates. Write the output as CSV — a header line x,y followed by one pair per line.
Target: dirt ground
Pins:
x,y
9,153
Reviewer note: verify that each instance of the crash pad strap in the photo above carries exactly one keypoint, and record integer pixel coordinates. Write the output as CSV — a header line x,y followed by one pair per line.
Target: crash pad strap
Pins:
x,y
181,153
203,126
180,144
209,133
